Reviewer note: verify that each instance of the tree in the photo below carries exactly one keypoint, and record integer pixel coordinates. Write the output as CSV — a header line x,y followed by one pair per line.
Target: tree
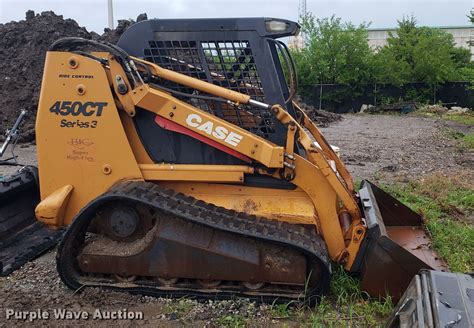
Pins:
x,y
419,54
334,52
467,71
338,53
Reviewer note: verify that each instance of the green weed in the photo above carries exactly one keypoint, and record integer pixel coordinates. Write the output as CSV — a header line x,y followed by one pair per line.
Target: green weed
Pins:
x,y
446,204
465,141
347,305
468,141
180,309
235,321
466,118
281,311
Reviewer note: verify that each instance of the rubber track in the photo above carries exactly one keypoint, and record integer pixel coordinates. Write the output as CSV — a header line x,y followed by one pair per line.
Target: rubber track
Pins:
x,y
22,238
302,238
26,245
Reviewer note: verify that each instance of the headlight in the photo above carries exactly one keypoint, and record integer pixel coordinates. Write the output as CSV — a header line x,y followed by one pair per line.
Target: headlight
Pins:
x,y
276,26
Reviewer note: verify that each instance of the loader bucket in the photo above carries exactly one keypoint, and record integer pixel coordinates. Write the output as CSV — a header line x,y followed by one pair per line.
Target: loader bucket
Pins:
x,y
396,247
22,238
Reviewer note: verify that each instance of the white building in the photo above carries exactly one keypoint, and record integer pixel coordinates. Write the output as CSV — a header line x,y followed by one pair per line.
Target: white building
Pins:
x,y
296,42
463,36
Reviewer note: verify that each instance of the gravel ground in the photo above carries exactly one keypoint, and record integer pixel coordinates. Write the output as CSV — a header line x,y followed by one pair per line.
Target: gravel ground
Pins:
x,y
26,156
37,286
398,148
376,147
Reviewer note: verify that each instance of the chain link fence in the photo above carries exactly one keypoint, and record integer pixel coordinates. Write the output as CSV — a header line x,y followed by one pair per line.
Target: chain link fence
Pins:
x,y
344,98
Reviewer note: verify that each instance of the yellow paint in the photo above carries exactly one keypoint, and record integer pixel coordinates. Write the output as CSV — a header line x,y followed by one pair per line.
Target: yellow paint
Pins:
x,y
73,155
292,206
186,172
326,148
51,209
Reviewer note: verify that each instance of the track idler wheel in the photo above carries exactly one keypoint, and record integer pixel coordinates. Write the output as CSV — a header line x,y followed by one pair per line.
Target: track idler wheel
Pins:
x,y
122,222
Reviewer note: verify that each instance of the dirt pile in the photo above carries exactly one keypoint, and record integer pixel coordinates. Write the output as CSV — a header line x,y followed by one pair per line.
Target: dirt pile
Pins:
x,y
23,47
112,36
320,116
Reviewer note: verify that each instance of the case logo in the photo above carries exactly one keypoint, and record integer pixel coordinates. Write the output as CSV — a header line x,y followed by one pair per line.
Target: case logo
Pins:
x,y
218,132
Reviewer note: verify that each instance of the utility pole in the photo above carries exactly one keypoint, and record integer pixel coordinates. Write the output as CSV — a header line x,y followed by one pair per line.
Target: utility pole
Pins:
x,y
110,14
301,10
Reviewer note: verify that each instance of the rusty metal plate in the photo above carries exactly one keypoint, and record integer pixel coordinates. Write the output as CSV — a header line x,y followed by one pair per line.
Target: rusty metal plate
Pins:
x,y
396,247
179,249
416,241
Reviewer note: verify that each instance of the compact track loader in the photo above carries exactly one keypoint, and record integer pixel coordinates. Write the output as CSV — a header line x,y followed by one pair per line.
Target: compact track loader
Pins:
x,y
180,166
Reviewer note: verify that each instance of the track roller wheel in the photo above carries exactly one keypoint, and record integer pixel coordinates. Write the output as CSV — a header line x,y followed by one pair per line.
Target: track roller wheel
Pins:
x,y
167,282
254,285
123,278
209,283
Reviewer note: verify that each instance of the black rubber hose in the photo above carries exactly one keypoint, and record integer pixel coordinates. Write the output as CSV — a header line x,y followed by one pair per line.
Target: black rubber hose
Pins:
x,y
187,95
88,55
149,75
293,69
283,49
72,43
124,54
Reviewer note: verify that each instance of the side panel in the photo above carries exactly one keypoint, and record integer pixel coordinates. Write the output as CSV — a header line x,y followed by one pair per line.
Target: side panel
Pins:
x,y
80,138
292,206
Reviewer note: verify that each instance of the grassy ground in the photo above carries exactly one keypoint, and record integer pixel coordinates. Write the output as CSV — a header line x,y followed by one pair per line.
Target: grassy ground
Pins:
x,y
447,205
464,118
465,141
347,306
467,118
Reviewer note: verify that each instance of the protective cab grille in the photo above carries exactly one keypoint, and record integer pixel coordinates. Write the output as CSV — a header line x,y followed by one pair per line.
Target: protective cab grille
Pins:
x,y
229,64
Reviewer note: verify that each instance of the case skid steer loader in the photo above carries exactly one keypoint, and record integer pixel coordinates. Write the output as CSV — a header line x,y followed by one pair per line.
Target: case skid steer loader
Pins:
x,y
180,166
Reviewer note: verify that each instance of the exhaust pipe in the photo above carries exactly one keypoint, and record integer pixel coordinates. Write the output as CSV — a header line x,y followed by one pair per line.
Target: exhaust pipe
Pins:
x,y
396,246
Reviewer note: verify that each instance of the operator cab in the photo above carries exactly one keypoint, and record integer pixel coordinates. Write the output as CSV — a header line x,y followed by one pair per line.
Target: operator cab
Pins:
x,y
240,54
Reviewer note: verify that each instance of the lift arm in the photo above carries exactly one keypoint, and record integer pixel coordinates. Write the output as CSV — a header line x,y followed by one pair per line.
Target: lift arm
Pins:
x,y
331,193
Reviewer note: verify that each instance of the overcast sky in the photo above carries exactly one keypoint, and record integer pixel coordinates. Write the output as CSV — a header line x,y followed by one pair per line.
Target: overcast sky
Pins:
x,y
382,13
